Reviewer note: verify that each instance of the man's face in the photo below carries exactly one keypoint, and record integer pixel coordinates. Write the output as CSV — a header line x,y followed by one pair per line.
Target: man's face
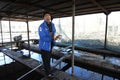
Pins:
x,y
47,18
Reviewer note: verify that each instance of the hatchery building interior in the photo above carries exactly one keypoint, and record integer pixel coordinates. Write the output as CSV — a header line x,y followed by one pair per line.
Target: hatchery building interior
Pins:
x,y
86,40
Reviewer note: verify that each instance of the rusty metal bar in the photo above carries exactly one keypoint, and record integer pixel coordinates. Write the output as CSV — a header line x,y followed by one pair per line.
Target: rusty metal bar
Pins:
x,y
73,31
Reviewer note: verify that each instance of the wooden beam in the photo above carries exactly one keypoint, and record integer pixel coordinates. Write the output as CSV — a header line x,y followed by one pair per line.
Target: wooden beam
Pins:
x,y
100,6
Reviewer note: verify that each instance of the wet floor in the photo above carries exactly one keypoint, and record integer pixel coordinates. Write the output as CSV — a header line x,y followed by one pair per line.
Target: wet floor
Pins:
x,y
79,72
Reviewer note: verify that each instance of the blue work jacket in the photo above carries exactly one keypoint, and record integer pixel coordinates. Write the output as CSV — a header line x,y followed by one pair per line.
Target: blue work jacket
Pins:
x,y
45,39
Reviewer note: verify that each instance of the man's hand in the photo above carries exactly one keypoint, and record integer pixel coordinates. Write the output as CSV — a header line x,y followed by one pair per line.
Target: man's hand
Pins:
x,y
57,37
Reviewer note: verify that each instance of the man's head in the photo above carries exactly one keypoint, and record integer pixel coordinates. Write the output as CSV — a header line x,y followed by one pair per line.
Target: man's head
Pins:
x,y
47,17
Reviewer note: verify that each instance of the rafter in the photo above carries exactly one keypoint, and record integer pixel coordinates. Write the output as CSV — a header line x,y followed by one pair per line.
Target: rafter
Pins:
x,y
31,5
99,5
15,13
58,3
4,6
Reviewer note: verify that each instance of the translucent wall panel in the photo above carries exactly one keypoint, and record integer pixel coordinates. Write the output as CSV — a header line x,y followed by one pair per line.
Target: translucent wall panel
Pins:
x,y
64,28
113,37
89,30
33,27
19,28
5,30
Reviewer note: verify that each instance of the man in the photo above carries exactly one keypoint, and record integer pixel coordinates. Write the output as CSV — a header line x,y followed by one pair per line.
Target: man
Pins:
x,y
46,33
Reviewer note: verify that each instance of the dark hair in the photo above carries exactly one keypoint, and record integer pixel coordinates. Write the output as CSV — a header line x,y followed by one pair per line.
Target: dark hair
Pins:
x,y
46,13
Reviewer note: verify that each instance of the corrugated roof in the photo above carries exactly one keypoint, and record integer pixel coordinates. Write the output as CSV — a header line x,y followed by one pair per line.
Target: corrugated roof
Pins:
x,y
33,9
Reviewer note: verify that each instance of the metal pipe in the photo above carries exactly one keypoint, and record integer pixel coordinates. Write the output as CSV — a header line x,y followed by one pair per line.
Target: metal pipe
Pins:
x,y
1,32
4,58
94,51
106,28
29,72
102,78
61,59
10,32
28,35
60,26
2,40
73,26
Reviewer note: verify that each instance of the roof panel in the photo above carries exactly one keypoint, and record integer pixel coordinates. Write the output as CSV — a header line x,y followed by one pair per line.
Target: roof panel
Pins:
x,y
59,8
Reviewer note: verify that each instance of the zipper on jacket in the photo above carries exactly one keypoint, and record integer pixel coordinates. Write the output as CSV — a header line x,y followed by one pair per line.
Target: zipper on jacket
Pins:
x,y
43,44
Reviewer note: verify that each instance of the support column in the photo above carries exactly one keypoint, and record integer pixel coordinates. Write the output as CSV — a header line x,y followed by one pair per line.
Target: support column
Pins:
x,y
105,42
1,32
106,30
28,36
10,33
2,39
60,26
73,26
